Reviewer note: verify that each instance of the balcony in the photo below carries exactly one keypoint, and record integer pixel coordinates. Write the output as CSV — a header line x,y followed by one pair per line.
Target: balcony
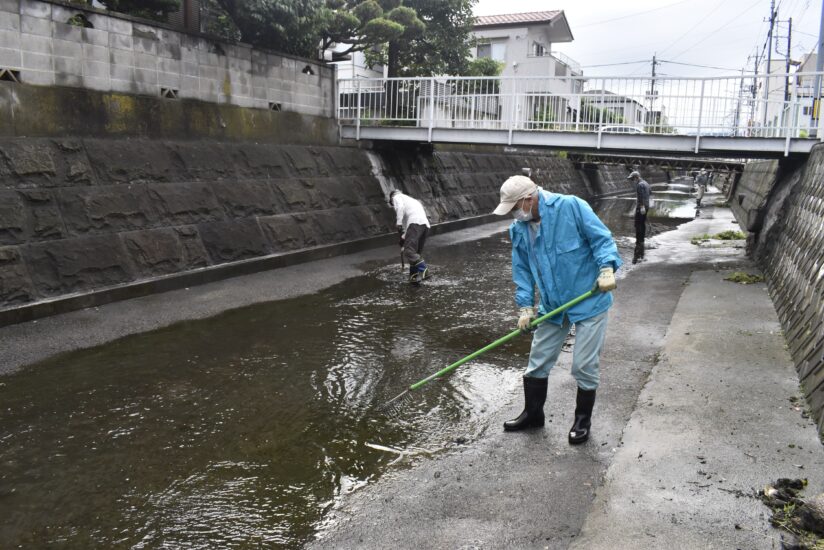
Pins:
x,y
574,66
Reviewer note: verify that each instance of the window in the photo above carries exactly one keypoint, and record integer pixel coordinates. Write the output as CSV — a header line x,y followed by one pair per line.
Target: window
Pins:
x,y
538,50
807,110
499,52
496,51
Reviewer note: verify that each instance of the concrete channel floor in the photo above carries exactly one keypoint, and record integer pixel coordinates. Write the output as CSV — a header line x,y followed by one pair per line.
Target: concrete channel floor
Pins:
x,y
26,343
693,417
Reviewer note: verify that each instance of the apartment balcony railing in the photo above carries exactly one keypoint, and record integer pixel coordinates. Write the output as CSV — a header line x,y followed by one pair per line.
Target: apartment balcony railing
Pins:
x,y
574,66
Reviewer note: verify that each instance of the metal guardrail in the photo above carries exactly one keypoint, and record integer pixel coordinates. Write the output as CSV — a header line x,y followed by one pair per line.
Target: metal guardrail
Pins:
x,y
751,106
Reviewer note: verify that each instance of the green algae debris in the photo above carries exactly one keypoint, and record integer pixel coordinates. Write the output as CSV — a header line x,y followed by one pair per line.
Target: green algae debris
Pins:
x,y
729,235
698,239
723,236
744,278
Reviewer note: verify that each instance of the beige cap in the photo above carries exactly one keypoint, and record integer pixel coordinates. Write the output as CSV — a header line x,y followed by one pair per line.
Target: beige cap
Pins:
x,y
634,174
513,190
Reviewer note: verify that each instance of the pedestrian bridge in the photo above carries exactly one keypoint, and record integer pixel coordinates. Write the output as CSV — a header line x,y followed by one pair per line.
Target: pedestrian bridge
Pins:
x,y
740,116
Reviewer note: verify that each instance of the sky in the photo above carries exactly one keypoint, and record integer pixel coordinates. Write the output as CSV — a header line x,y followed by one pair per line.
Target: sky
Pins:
x,y
713,33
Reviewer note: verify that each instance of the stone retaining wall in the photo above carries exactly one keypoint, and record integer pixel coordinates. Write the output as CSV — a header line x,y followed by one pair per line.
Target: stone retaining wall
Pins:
x,y
750,195
82,214
79,214
784,208
455,184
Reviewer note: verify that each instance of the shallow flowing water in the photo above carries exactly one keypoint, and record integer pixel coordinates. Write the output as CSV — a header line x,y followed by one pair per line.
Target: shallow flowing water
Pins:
x,y
242,430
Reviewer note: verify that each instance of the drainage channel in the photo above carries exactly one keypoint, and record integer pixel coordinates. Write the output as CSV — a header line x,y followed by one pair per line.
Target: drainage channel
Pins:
x,y
248,427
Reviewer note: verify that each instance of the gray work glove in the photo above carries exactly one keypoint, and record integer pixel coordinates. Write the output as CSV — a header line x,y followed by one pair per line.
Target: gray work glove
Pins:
x,y
526,316
606,280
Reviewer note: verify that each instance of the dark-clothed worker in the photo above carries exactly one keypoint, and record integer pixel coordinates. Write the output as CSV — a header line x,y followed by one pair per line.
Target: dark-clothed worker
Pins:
x,y
412,225
701,181
642,192
561,247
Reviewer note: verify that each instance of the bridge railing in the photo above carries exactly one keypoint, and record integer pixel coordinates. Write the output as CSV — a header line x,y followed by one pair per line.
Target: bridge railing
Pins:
x,y
778,105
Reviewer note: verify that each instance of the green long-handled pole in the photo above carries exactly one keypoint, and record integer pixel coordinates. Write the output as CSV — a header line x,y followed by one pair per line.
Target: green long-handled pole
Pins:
x,y
493,345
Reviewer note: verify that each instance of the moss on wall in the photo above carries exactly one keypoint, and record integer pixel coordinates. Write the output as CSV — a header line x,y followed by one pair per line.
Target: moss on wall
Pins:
x,y
36,111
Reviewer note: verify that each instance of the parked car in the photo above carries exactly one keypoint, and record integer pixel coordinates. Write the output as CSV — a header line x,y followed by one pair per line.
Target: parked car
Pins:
x,y
621,129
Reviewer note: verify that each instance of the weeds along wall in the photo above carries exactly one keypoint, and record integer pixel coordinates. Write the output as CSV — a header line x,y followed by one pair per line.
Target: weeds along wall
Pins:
x,y
782,205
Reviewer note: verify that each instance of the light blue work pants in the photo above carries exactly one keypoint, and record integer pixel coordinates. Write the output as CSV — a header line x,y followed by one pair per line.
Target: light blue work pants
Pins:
x,y
589,339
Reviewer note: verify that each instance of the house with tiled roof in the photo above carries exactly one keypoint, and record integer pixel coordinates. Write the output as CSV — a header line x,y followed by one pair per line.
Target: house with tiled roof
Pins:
x,y
524,43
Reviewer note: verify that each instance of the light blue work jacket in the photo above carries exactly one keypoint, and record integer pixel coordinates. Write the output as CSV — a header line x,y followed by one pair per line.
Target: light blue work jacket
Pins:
x,y
570,247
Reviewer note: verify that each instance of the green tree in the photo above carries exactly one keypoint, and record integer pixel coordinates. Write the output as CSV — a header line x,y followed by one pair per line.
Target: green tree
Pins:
x,y
305,27
484,66
150,9
443,48
366,25
289,26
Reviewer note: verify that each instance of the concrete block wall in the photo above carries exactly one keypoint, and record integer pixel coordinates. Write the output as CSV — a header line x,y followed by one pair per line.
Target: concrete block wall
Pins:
x,y
784,208
749,197
128,55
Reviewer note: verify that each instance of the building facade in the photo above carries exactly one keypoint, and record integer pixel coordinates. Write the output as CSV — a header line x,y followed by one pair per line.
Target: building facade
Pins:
x,y
523,43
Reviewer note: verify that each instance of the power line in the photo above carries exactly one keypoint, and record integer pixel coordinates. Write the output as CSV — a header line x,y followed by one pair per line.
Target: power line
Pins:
x,y
614,64
631,15
805,33
697,65
736,17
674,42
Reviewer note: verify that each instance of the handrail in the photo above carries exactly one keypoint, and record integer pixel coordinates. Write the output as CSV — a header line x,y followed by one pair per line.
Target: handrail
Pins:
x,y
691,106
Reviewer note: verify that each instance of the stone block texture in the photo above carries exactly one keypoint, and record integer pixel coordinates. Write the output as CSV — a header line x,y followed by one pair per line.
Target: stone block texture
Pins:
x,y
82,214
116,54
784,206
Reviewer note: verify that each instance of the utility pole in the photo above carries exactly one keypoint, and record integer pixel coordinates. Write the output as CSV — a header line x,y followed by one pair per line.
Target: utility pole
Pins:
x,y
787,70
773,15
819,66
650,115
754,92
737,119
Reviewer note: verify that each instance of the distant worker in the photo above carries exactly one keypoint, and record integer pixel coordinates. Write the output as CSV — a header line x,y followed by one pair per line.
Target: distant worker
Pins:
x,y
413,226
561,247
642,192
701,181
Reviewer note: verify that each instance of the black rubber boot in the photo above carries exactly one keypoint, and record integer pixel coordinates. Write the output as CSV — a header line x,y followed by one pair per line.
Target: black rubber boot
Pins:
x,y
533,414
583,416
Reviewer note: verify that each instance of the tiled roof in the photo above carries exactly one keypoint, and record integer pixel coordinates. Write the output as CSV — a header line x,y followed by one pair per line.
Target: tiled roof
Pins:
x,y
516,18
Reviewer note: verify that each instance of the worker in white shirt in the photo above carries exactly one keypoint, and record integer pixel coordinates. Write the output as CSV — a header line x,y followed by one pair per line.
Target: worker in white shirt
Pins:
x,y
412,226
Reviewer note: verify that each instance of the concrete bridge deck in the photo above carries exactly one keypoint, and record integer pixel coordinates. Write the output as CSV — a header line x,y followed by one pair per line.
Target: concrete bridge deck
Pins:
x,y
724,147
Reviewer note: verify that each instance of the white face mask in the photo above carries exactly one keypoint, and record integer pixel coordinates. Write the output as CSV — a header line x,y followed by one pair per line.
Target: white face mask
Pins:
x,y
522,216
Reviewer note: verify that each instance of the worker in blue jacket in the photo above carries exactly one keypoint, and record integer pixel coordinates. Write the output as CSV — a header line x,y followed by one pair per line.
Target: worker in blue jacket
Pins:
x,y
561,247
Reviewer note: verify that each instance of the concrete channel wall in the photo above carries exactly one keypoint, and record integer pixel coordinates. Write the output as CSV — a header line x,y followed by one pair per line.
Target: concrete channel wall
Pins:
x,y
106,196
81,214
782,206
53,43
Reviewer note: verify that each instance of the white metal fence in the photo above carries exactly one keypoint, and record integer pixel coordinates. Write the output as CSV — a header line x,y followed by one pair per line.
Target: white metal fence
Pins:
x,y
778,105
